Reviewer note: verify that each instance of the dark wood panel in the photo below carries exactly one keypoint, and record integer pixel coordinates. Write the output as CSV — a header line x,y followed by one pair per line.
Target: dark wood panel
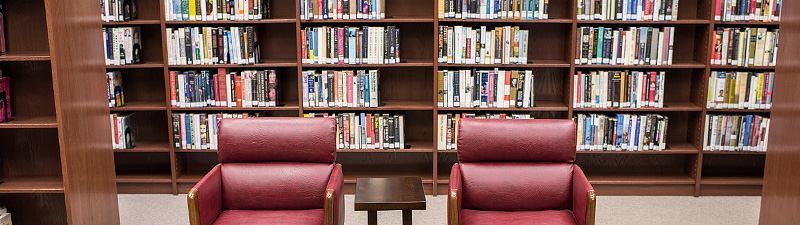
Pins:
x,y
31,88
146,188
730,190
643,190
36,208
25,28
18,154
143,85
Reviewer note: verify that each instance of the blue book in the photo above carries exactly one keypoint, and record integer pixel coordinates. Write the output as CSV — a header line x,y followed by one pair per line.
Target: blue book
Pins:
x,y
484,88
620,122
312,98
312,37
324,9
351,39
362,129
187,131
366,88
636,133
587,132
748,122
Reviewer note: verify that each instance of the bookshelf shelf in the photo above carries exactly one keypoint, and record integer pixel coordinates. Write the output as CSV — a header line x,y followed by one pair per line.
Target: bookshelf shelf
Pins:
x,y
30,122
21,56
673,148
733,153
132,23
540,106
416,146
388,105
285,107
387,20
649,23
146,64
743,67
140,106
738,110
196,151
404,63
746,23
532,64
31,185
675,65
723,180
668,107
455,20
267,63
144,178
633,178
230,22
147,146
191,176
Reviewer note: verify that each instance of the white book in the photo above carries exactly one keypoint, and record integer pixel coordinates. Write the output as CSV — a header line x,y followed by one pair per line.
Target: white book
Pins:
x,y
706,134
671,41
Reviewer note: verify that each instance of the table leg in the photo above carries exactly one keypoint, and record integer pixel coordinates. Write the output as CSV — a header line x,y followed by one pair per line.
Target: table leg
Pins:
x,y
407,217
372,217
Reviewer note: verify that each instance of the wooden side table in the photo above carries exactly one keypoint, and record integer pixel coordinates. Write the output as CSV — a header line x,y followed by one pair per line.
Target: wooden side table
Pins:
x,y
398,193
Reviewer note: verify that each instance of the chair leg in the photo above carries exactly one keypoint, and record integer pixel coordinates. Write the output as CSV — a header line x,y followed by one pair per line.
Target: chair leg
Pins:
x,y
407,217
372,217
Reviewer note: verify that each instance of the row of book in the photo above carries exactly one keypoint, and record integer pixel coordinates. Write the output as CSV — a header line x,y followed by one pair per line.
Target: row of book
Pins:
x,y
350,45
341,88
745,47
124,130
119,10
620,46
482,45
630,10
740,90
245,89
123,45
736,133
367,130
619,89
342,9
212,45
116,96
748,10
621,132
486,88
5,216
211,10
199,131
5,98
494,9
447,126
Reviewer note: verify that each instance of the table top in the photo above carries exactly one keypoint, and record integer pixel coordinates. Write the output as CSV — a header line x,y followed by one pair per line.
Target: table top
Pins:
x,y
396,193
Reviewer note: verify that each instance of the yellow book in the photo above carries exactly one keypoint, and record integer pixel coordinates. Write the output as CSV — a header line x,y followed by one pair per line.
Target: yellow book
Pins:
x,y
440,93
440,5
192,10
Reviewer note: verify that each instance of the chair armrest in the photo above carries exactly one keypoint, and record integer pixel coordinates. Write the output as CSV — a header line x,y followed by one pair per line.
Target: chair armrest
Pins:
x,y
205,198
334,198
583,197
454,196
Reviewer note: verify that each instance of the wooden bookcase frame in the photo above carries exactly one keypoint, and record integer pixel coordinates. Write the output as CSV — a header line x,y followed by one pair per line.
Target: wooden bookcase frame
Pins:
x,y
156,167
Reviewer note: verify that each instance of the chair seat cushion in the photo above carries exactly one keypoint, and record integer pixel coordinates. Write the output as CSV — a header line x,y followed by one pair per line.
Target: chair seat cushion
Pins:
x,y
256,217
547,217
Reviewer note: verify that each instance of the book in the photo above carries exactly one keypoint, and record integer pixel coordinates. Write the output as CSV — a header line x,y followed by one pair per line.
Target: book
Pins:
x,y
123,45
367,130
125,130
5,216
350,45
199,131
621,132
481,9
212,45
447,125
242,89
740,90
342,9
736,133
473,88
761,11
745,47
624,46
216,10
341,88
5,98
116,95
628,10
483,45
618,89
119,10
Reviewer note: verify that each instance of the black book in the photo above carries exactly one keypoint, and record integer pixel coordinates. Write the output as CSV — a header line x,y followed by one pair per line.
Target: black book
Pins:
x,y
176,131
188,46
615,85
585,40
520,89
607,43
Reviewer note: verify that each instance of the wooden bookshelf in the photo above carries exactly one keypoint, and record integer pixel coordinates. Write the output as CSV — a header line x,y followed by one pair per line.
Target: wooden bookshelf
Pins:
x,y
57,167
678,170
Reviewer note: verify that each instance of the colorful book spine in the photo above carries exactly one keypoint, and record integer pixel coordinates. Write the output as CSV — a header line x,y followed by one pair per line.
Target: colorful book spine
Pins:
x,y
447,125
621,132
748,133
368,130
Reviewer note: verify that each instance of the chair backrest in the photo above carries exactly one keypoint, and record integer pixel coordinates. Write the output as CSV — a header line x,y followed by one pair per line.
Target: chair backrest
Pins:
x,y
276,163
516,165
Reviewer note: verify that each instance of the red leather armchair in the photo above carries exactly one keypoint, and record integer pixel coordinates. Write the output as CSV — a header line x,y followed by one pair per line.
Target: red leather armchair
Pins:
x,y
272,171
518,172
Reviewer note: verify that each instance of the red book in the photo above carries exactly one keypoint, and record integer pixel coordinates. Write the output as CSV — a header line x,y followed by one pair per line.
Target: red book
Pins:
x,y
717,11
238,82
648,9
507,89
223,89
350,88
752,10
303,53
173,100
578,88
652,86
469,45
370,140
340,45
215,90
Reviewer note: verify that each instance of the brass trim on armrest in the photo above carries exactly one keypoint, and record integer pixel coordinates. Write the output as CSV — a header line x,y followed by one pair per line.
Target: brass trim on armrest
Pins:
x,y
454,207
590,207
329,199
194,208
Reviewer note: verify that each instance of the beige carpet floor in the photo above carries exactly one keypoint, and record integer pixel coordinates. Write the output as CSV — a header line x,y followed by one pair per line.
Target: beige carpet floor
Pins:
x,y
611,210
